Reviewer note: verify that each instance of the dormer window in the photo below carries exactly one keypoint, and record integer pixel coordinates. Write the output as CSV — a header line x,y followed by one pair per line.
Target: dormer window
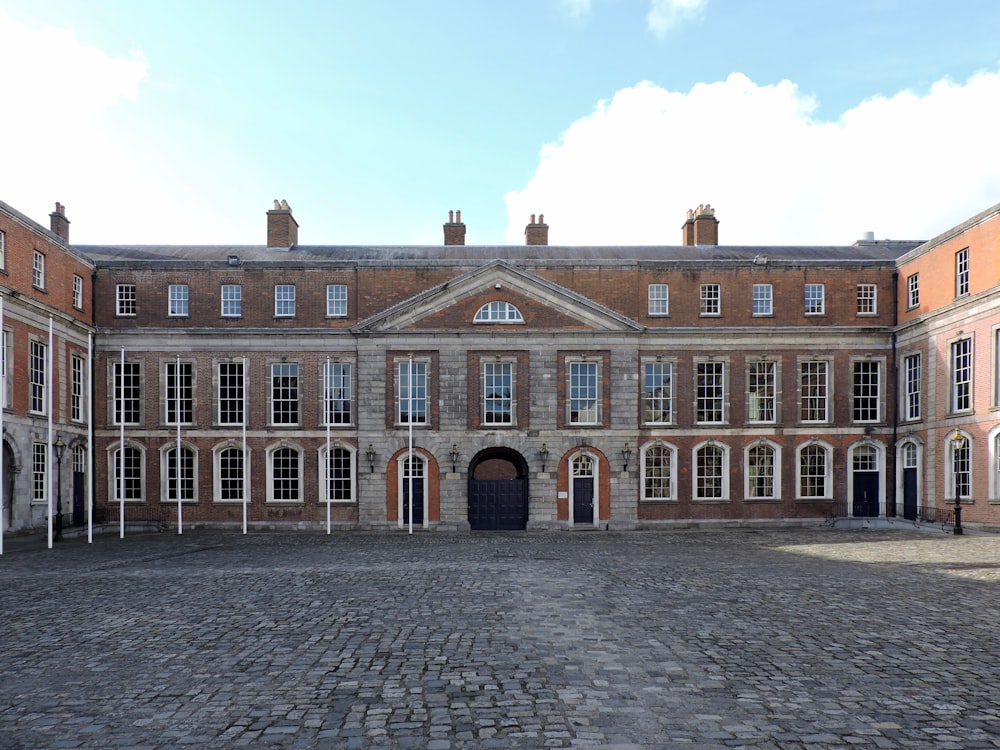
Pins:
x,y
498,312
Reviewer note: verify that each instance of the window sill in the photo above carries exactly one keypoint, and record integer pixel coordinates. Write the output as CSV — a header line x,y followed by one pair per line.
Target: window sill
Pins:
x,y
659,501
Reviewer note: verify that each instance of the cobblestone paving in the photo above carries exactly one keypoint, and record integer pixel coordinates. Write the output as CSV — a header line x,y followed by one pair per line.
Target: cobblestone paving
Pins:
x,y
806,638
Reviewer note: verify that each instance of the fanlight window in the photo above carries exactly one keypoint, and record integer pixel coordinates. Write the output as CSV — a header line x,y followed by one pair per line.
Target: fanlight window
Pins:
x,y
498,312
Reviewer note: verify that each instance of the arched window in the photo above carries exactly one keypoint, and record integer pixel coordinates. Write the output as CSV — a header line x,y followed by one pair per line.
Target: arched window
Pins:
x,y
284,474
763,472
336,478
659,468
814,471
186,481
498,312
132,470
711,480
231,467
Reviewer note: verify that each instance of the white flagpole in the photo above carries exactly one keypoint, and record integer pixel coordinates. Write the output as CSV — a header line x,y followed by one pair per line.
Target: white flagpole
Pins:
x,y
49,405
121,447
89,492
326,414
246,452
177,453
3,404
409,419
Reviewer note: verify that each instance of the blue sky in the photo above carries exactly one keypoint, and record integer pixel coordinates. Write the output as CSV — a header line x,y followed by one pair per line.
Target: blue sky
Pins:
x,y
801,122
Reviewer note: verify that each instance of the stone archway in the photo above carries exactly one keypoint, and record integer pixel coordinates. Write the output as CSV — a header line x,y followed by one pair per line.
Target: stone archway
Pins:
x,y
498,491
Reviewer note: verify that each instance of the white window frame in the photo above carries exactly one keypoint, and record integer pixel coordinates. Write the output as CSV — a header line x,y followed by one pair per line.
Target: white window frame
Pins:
x,y
270,454
217,452
499,373
168,485
139,482
6,366
186,379
231,300
3,250
420,394
230,391
645,466
289,392
659,374
867,300
912,385
39,472
913,290
696,476
827,450
962,272
775,470
772,383
38,270
862,399
498,311
126,300
38,373
710,300
763,301
77,389
951,460
827,397
133,391
337,387
658,300
583,389
336,300
815,299
284,300
961,375
77,291
708,395
351,482
178,300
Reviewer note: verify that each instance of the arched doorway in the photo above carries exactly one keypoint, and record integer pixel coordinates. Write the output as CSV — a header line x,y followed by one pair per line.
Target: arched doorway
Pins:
x,y
8,487
414,471
866,490
584,471
498,491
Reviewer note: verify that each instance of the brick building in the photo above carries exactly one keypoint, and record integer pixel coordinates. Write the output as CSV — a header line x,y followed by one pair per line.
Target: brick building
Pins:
x,y
538,385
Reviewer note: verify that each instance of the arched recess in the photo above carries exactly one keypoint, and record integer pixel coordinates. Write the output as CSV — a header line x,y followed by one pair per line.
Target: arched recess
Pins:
x,y
11,466
568,465
498,490
397,487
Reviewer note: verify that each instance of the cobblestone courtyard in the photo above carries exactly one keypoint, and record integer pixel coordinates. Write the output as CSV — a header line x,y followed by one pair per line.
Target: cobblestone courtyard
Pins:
x,y
805,638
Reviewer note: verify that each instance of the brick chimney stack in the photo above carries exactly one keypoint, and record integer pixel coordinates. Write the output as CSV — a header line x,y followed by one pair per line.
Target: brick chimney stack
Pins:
x,y
454,230
282,229
537,233
701,227
58,222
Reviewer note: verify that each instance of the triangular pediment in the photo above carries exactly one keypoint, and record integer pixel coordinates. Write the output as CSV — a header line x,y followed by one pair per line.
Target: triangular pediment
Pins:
x,y
543,304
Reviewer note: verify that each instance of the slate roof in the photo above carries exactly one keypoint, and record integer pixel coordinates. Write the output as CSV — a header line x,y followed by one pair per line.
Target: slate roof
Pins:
x,y
878,252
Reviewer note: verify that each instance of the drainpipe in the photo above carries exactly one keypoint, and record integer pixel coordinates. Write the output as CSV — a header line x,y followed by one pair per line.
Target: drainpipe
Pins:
x,y
895,390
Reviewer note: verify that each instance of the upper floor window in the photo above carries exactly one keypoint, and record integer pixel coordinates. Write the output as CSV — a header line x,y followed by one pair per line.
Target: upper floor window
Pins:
x,y
232,300
762,300
77,291
710,392
337,399
761,391
77,383
498,392
179,392
336,300
37,372
232,392
38,270
659,299
961,375
6,383
412,392
127,388
913,290
584,392
814,391
3,251
125,300
867,302
658,392
284,300
177,302
498,312
962,272
285,393
711,299
815,299
911,386
865,395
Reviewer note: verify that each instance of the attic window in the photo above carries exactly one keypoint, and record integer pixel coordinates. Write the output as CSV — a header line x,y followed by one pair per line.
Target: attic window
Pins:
x,y
498,312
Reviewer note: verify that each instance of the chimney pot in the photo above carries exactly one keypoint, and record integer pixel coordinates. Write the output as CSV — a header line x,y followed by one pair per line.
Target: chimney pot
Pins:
x,y
537,233
58,222
454,230
701,227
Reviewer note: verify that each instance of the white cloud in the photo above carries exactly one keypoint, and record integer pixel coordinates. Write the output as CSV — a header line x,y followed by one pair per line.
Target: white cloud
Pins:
x,y
666,14
576,8
906,167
